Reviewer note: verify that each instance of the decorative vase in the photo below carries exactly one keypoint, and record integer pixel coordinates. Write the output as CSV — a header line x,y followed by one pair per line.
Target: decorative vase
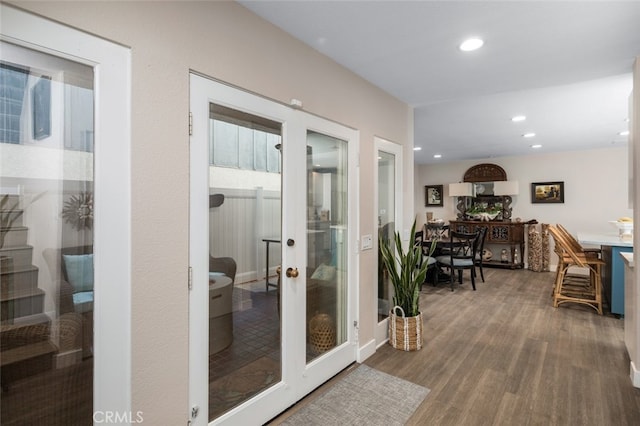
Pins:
x,y
322,333
405,333
487,254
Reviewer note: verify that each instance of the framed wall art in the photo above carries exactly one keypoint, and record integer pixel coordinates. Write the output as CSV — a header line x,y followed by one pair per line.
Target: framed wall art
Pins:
x,y
547,192
433,195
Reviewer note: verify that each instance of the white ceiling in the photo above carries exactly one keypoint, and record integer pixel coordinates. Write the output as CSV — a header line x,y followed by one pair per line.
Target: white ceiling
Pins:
x,y
565,65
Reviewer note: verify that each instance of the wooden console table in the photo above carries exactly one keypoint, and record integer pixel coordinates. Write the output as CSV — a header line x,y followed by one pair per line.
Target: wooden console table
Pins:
x,y
499,232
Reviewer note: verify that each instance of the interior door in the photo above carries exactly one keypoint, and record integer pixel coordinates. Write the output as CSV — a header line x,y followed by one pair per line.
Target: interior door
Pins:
x,y
269,248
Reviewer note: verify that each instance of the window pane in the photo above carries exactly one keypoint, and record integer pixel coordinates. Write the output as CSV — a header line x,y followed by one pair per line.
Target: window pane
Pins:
x,y
260,140
245,147
273,155
225,144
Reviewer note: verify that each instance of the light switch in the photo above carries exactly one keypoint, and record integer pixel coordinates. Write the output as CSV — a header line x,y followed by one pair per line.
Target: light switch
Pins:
x,y
367,242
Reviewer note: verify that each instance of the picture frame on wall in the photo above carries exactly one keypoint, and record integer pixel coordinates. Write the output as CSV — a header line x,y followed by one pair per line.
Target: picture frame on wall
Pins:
x,y
547,192
433,195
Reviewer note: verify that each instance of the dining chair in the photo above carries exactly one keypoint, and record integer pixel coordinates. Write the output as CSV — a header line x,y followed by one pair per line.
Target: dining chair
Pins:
x,y
463,247
479,258
419,241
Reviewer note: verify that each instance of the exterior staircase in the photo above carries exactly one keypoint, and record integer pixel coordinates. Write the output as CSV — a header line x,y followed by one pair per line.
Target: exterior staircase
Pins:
x,y
25,346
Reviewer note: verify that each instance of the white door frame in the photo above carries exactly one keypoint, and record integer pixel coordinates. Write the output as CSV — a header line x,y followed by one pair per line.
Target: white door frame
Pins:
x,y
297,378
112,187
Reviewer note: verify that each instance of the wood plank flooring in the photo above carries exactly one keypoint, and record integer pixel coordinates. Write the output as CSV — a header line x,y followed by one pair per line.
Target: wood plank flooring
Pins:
x,y
502,355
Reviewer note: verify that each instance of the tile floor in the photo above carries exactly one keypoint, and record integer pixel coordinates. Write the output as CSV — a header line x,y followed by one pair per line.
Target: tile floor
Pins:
x,y
256,330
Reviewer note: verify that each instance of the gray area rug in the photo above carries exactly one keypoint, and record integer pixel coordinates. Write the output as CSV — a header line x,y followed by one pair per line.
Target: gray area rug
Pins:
x,y
365,396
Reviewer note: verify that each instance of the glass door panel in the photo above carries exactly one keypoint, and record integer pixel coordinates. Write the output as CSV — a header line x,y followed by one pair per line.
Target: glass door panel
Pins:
x,y
327,208
244,213
46,238
386,225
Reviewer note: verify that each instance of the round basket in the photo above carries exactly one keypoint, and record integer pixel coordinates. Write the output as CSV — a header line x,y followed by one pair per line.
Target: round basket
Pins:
x,y
322,333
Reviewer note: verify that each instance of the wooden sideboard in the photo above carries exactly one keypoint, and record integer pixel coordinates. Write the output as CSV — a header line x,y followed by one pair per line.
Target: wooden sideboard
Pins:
x,y
505,233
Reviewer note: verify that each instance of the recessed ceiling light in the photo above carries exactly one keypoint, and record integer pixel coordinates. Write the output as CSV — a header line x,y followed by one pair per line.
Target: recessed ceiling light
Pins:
x,y
536,146
624,133
471,44
417,148
437,155
528,135
518,118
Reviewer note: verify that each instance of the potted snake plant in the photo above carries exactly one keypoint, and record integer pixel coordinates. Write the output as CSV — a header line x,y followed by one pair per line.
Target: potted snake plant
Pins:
x,y
407,271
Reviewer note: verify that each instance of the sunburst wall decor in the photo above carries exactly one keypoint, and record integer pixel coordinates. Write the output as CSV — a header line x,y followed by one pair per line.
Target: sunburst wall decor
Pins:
x,y
78,211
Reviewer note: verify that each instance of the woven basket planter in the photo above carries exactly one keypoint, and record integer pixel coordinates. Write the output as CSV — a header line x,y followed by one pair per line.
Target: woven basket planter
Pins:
x,y
405,333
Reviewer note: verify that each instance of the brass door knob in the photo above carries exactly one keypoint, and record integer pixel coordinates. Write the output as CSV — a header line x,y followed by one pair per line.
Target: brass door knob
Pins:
x,y
292,272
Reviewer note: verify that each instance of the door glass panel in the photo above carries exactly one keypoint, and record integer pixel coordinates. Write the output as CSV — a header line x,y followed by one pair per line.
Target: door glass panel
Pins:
x,y
326,243
386,224
46,238
245,255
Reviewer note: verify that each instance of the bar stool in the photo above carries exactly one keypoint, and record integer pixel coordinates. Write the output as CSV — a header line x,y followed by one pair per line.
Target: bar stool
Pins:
x,y
569,289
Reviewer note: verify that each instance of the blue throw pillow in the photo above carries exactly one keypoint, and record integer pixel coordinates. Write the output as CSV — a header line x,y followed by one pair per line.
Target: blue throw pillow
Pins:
x,y
79,271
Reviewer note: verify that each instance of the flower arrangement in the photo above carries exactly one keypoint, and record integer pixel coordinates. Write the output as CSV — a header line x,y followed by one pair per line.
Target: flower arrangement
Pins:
x,y
484,211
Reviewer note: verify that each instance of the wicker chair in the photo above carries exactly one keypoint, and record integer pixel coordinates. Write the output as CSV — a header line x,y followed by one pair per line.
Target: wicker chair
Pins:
x,y
576,289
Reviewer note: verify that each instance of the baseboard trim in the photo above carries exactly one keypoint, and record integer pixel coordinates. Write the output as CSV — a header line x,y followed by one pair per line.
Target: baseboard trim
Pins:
x,y
366,350
635,375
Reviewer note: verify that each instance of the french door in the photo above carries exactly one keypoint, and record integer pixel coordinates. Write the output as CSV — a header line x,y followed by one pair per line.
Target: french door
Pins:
x,y
272,254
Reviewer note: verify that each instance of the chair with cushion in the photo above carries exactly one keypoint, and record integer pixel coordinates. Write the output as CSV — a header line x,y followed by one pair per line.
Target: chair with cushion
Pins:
x,y
223,265
72,269
462,256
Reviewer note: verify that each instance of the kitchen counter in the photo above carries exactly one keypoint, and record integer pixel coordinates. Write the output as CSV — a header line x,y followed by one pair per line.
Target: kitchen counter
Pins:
x,y
603,239
613,273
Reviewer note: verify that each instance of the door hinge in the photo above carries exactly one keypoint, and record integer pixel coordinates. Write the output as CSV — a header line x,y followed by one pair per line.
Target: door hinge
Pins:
x,y
190,279
190,124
